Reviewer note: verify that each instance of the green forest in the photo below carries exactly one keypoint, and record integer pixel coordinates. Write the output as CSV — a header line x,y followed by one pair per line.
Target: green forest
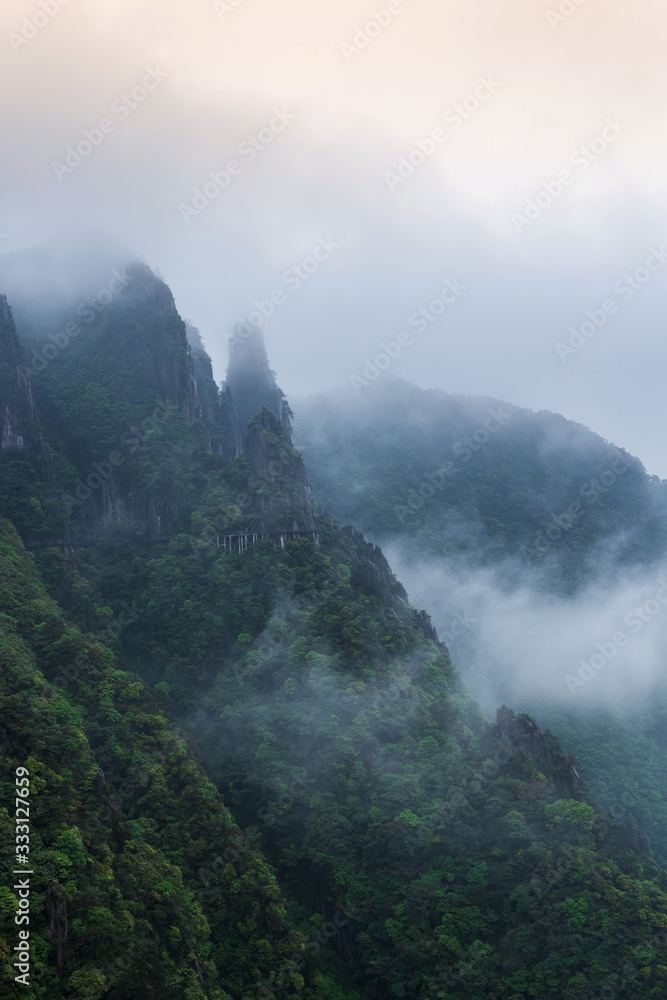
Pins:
x,y
473,482
254,769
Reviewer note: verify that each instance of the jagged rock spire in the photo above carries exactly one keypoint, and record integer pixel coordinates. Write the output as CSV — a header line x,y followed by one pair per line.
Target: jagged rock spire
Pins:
x,y
287,504
251,382
264,422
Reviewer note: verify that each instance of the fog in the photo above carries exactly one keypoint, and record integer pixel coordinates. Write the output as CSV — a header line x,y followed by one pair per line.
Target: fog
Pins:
x,y
533,544
516,644
317,112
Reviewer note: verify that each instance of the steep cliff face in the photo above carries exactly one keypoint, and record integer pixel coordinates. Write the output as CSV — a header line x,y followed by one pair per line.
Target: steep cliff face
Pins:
x,y
523,734
229,422
127,397
207,394
17,405
28,474
256,417
214,407
286,501
252,382
150,329
372,572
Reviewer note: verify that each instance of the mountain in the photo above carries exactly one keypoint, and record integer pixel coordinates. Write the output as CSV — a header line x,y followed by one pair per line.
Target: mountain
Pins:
x,y
490,503
482,480
125,827
251,381
255,769
27,466
17,406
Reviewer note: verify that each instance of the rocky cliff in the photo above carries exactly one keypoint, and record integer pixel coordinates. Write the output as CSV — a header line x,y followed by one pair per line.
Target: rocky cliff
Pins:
x,y
147,325
251,381
522,733
17,404
285,496
215,407
256,416
113,388
28,473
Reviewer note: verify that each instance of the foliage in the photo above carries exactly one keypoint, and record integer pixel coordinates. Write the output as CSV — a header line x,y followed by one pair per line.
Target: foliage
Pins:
x,y
259,774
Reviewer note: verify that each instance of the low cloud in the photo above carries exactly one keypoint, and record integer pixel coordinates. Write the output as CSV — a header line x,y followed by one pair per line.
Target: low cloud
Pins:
x,y
513,643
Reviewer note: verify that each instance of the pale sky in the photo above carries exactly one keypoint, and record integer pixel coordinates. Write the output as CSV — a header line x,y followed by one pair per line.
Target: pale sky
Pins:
x,y
221,72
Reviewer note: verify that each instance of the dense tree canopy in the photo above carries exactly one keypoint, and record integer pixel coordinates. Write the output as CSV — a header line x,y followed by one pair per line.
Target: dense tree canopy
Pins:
x,y
257,773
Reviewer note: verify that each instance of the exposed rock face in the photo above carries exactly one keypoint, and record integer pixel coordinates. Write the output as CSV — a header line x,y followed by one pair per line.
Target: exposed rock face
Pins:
x,y
214,407
17,405
115,508
20,434
286,498
523,734
256,418
111,812
252,382
207,394
147,287
231,431
639,837
160,350
372,572
136,351
56,914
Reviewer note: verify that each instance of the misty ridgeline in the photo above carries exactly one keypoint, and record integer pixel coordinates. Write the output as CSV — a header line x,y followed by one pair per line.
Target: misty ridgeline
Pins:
x,y
256,769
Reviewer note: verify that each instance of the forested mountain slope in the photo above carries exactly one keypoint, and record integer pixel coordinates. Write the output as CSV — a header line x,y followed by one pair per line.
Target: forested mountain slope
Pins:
x,y
480,479
172,683
125,828
524,503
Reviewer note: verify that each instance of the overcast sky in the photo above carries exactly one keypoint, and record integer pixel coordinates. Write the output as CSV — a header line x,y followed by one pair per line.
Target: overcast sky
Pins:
x,y
576,95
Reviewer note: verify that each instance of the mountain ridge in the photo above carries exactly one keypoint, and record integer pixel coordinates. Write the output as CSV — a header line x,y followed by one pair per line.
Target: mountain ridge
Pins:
x,y
417,848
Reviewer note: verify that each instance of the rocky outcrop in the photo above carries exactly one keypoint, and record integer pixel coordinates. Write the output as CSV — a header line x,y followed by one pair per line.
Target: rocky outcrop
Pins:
x,y
18,429
639,837
115,508
56,915
20,434
523,734
251,381
132,352
214,407
229,422
207,393
372,573
279,477
156,338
